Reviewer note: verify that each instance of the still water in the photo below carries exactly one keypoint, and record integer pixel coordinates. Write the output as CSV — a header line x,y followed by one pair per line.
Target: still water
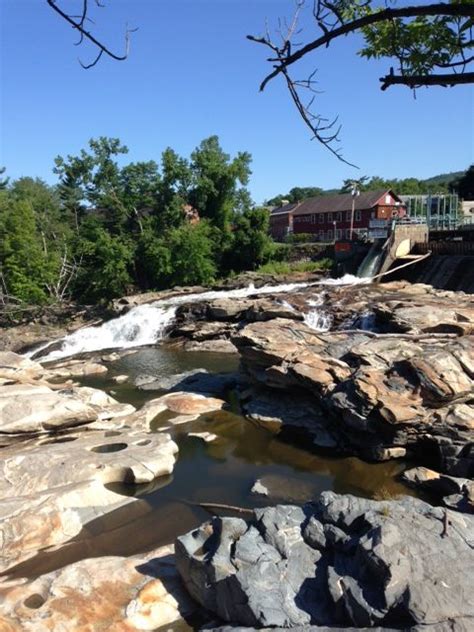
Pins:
x,y
222,471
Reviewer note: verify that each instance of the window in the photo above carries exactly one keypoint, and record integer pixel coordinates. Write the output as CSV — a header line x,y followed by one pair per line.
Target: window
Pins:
x,y
388,199
348,233
348,216
339,217
330,235
339,233
358,216
321,218
329,217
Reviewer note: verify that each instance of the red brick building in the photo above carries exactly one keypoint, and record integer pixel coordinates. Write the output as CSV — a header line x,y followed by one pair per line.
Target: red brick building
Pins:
x,y
328,217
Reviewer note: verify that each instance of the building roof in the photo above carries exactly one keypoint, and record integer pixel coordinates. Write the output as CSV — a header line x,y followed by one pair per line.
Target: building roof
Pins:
x,y
334,203
286,208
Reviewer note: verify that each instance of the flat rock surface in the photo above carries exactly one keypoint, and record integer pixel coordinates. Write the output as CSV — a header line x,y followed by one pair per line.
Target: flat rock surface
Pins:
x,y
113,594
342,561
130,458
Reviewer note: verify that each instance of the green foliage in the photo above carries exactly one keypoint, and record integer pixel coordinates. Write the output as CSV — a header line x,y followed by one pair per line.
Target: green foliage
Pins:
x,y
299,238
108,229
105,263
3,181
192,255
24,267
285,267
420,44
296,194
251,245
215,181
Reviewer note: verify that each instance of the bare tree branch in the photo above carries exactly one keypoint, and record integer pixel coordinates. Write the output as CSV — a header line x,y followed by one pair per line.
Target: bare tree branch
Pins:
x,y
465,10
78,23
337,18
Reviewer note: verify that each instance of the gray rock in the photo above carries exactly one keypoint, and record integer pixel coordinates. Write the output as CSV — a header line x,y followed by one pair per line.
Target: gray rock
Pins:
x,y
195,381
342,561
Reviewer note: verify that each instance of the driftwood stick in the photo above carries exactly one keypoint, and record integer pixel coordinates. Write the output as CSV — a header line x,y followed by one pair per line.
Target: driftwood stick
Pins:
x,y
212,506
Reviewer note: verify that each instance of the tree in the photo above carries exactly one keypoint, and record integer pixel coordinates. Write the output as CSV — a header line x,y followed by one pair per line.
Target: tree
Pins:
x,y
215,181
24,267
3,181
106,263
92,180
251,245
421,39
464,186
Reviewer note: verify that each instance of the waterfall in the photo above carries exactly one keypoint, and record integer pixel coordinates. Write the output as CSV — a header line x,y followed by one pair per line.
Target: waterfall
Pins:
x,y
147,324
142,325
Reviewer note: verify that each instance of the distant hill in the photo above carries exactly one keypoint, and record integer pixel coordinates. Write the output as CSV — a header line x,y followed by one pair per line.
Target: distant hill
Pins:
x,y
404,186
443,178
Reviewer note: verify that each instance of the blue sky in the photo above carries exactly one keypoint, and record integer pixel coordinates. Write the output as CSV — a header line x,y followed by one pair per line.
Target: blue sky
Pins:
x,y
191,73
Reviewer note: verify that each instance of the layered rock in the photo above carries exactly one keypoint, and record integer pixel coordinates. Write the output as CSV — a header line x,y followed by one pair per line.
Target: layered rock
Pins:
x,y
342,561
373,392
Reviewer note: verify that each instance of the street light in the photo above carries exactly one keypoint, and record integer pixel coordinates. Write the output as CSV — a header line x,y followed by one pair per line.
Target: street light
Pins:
x,y
355,192
335,224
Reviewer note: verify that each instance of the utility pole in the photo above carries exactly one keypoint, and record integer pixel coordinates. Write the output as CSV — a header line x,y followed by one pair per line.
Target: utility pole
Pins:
x,y
355,192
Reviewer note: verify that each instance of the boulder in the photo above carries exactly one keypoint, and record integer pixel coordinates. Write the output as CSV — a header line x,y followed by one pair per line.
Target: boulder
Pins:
x,y
341,561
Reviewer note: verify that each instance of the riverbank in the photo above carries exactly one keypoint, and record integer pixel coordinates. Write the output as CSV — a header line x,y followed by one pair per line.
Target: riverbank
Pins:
x,y
318,387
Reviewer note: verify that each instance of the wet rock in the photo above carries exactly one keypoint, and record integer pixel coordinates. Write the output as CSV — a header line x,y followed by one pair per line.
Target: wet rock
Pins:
x,y
120,379
196,381
228,308
456,493
208,437
191,403
74,368
295,411
187,406
342,561
112,594
211,346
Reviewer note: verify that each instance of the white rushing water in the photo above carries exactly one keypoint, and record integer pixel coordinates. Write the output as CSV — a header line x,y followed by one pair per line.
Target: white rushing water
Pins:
x,y
147,324
318,320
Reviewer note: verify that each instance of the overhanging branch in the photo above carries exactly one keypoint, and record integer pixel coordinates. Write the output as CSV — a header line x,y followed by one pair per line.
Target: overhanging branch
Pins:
x,y
84,34
462,10
417,81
